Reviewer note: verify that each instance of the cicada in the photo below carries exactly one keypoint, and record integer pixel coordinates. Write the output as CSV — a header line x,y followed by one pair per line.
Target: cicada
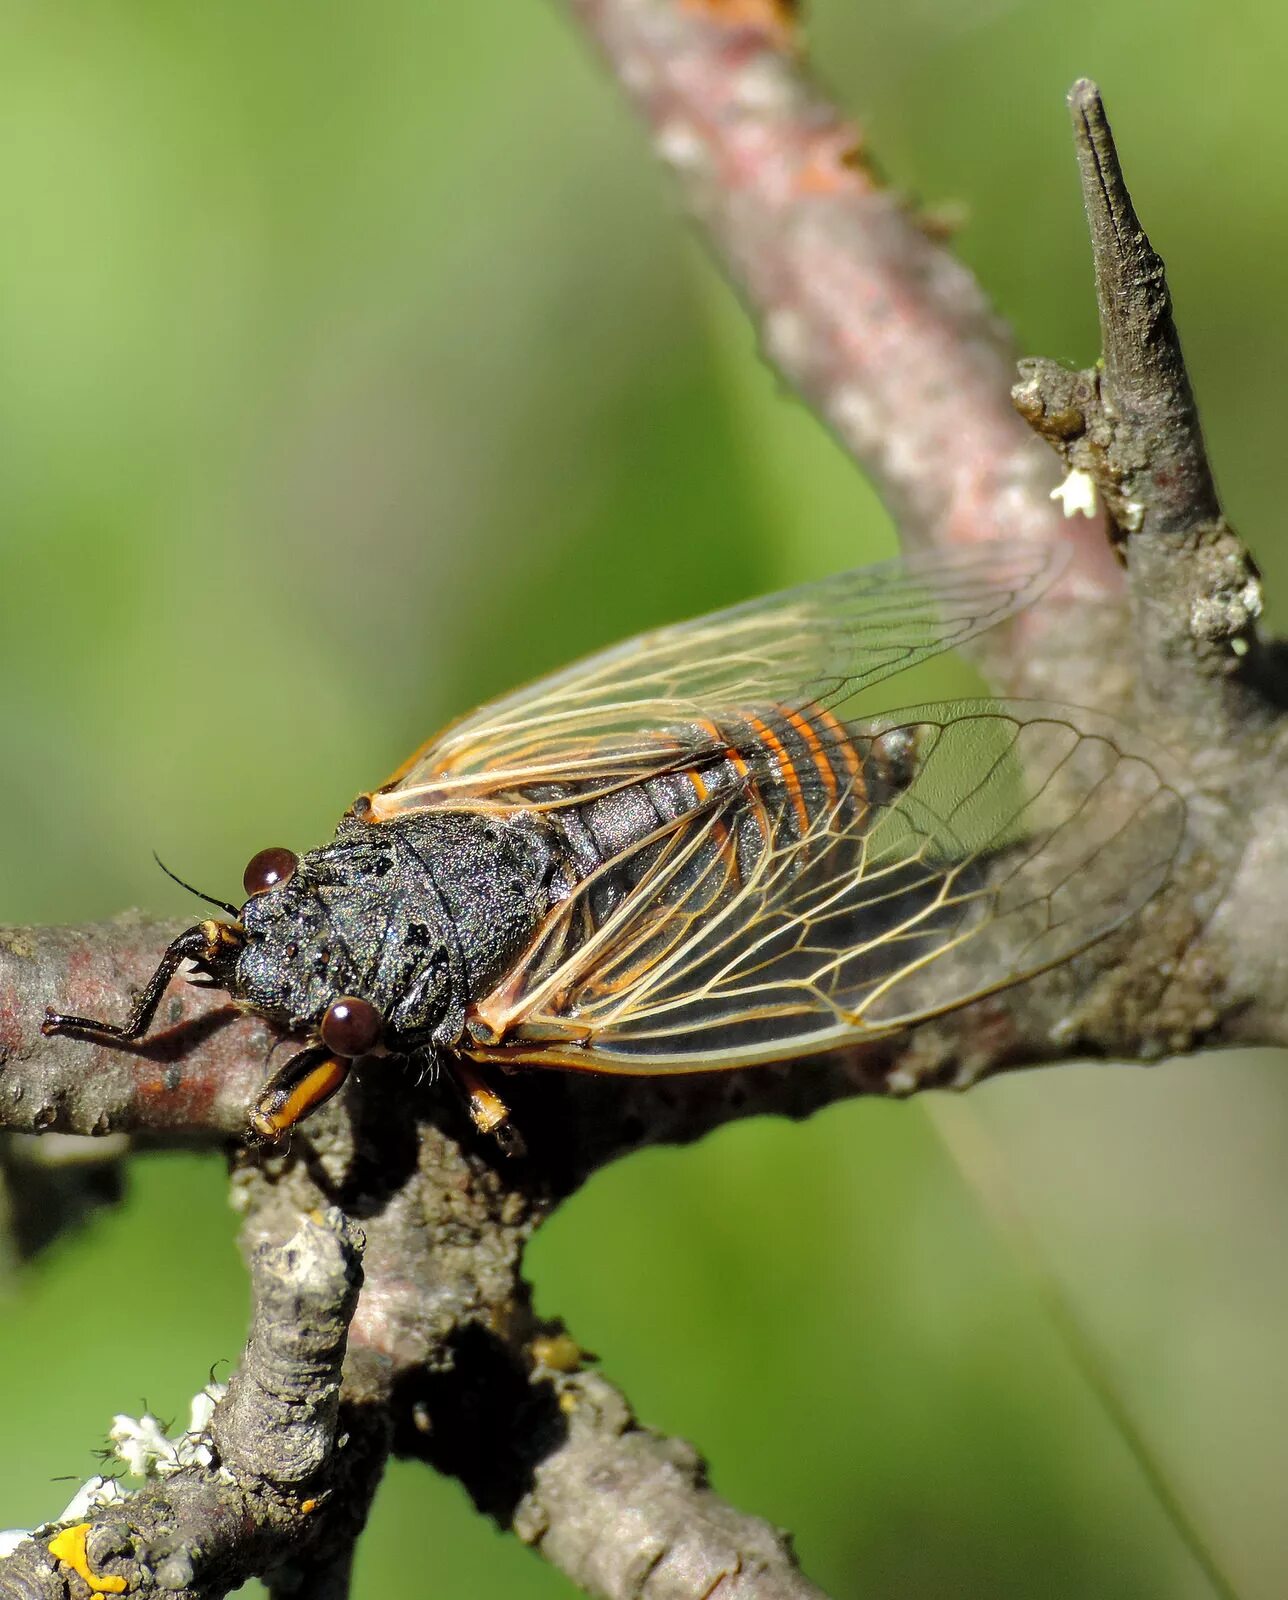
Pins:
x,y
697,850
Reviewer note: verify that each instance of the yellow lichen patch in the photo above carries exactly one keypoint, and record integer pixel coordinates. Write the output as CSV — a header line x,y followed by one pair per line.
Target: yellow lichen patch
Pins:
x,y
556,1352
69,1548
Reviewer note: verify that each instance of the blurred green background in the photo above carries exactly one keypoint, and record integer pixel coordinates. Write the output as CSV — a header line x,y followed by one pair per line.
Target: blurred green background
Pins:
x,y
355,365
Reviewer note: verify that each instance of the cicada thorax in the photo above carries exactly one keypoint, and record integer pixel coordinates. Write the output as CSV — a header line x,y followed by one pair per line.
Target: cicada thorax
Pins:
x,y
413,917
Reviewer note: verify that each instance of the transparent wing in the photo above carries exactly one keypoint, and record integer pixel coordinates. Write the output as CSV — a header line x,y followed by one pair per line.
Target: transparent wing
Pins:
x,y
1013,840
603,720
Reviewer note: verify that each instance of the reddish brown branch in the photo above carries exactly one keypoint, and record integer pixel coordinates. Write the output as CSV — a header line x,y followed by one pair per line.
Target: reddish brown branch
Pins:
x,y
194,1076
196,1079
886,335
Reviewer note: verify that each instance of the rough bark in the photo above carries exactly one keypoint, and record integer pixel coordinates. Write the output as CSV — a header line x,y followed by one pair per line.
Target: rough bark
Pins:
x,y
282,1474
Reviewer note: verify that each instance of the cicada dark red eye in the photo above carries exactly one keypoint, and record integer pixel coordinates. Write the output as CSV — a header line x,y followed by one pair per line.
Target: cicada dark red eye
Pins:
x,y
351,1026
269,868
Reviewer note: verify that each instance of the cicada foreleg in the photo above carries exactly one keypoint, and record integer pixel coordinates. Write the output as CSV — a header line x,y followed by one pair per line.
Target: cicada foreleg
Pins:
x,y
308,1080
210,944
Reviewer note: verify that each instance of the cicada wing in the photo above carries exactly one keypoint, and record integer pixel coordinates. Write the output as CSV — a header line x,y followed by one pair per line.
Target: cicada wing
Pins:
x,y
1017,840
598,721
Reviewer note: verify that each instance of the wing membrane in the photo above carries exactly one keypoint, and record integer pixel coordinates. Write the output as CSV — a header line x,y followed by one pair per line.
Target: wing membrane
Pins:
x,y
941,853
1020,840
599,721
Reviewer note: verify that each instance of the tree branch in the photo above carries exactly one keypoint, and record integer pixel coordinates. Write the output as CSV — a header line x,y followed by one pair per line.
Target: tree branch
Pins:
x,y
625,1513
194,1077
858,303
246,1496
1131,424
195,1080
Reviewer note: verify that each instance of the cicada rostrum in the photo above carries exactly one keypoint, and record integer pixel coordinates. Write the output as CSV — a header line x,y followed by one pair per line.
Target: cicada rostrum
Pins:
x,y
696,851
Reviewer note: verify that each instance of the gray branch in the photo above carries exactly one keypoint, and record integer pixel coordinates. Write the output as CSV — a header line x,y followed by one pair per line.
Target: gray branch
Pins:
x,y
278,1484
1131,424
277,1421
624,1511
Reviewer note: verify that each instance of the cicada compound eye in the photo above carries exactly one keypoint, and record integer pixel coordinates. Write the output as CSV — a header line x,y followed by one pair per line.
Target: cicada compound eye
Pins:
x,y
269,868
351,1026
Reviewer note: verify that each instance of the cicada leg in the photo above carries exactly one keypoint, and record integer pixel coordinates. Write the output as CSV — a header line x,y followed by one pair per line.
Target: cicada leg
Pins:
x,y
210,944
308,1080
488,1112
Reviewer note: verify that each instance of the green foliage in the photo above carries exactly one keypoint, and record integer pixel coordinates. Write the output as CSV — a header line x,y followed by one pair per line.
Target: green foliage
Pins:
x,y
354,366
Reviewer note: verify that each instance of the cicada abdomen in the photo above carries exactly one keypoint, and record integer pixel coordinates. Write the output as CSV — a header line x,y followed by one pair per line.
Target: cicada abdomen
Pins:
x,y
809,884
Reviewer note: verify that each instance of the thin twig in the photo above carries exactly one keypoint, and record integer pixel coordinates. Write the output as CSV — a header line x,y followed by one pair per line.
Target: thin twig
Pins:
x,y
1145,374
1132,426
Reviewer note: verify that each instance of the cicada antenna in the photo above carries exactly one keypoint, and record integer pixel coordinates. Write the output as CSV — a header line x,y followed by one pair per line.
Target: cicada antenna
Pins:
x,y
233,911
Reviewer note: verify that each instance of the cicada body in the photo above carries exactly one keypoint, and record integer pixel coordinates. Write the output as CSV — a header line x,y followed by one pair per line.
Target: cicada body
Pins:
x,y
697,851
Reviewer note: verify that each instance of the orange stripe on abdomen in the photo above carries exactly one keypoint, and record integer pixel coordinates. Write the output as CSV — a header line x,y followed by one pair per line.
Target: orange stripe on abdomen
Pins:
x,y
725,748
837,737
786,769
817,753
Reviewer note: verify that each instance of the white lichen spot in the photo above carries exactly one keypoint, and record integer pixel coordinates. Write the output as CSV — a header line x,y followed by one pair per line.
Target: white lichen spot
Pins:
x,y
764,85
902,1080
1131,515
146,1451
967,1075
853,414
1077,494
92,1496
1064,1030
203,1407
679,145
143,1448
786,337
140,1444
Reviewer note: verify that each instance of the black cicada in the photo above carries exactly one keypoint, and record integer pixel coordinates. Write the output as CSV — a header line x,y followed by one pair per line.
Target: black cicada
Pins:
x,y
694,851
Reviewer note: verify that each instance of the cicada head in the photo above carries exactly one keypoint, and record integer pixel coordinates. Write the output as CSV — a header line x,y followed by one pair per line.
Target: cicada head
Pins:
x,y
347,944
